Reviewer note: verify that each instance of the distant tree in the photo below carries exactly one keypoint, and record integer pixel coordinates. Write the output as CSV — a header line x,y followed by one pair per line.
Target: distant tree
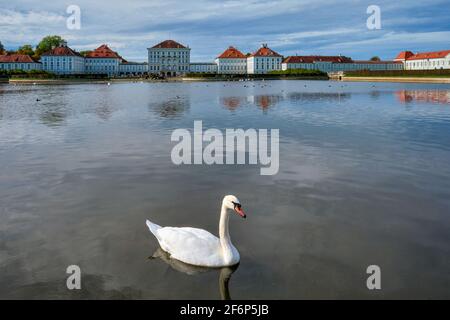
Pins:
x,y
85,52
375,58
2,48
26,49
46,44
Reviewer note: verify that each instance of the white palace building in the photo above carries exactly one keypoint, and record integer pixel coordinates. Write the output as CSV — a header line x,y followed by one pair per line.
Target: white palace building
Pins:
x,y
424,60
170,58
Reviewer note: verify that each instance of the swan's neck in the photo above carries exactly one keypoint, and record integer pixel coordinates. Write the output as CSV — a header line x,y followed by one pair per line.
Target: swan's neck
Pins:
x,y
225,239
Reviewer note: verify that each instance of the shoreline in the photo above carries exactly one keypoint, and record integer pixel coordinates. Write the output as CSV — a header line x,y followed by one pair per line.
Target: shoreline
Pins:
x,y
213,79
200,79
396,79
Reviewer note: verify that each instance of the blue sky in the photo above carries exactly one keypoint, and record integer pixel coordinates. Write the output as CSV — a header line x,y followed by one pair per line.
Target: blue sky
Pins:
x,y
302,27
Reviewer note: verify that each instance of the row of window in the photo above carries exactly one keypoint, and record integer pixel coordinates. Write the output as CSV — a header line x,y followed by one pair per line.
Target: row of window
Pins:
x,y
19,66
265,60
101,68
228,61
340,67
165,67
268,67
168,60
230,68
162,54
105,61
435,63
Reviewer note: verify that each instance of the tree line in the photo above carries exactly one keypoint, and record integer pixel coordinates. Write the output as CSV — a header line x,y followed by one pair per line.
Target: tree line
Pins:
x,y
46,44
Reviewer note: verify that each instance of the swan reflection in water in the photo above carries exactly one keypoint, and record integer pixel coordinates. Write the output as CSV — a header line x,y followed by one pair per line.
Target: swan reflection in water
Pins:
x,y
224,275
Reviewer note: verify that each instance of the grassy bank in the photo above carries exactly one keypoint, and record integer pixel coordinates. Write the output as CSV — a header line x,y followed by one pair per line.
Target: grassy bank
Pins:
x,y
400,73
274,75
398,79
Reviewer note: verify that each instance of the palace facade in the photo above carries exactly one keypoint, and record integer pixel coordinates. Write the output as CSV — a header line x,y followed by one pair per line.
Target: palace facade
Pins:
x,y
337,64
264,60
103,60
231,61
63,60
14,61
169,58
425,60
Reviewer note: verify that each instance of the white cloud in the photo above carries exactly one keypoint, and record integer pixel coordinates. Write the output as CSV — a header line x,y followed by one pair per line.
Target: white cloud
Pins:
x,y
30,18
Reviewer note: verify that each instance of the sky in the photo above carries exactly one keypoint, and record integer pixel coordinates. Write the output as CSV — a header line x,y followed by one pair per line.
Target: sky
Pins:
x,y
208,27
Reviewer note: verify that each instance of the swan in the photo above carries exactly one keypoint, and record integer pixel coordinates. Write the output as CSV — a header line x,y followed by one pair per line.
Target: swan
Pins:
x,y
198,247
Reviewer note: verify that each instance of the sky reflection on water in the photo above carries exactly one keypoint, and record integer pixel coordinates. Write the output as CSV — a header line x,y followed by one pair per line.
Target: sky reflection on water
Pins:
x,y
364,179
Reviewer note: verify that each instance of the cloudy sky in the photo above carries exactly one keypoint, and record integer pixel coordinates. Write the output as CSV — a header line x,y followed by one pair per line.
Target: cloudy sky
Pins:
x,y
209,26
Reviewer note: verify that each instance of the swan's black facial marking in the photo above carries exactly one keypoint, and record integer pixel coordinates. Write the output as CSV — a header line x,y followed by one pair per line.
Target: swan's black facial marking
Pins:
x,y
236,205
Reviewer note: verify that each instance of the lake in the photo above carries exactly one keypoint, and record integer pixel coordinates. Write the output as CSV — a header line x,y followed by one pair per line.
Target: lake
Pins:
x,y
364,179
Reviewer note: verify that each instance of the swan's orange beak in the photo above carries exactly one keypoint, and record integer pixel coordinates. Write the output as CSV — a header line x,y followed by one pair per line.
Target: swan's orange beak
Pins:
x,y
240,212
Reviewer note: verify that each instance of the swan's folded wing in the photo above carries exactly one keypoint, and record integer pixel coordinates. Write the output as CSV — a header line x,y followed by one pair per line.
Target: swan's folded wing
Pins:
x,y
190,245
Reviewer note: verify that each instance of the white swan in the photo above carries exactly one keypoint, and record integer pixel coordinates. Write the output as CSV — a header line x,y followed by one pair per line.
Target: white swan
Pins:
x,y
198,247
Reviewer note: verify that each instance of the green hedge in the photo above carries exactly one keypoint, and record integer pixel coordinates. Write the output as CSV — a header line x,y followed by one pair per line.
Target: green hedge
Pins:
x,y
445,73
18,73
273,74
202,75
299,73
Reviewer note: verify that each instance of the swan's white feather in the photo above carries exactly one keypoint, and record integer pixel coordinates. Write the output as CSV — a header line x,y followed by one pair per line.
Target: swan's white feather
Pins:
x,y
190,245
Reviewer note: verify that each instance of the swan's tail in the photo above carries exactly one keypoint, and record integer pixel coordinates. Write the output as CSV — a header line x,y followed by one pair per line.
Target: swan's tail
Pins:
x,y
153,228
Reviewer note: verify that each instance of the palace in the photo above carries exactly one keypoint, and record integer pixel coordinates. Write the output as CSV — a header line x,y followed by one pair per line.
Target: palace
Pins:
x,y
263,61
16,61
170,58
63,60
337,64
424,60
231,61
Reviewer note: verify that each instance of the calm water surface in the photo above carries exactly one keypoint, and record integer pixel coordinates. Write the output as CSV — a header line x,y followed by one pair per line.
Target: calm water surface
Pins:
x,y
364,179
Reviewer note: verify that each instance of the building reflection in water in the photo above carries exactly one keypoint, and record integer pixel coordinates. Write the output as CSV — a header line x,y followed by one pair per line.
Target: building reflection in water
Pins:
x,y
104,110
263,102
429,96
173,108
224,273
53,118
318,96
231,103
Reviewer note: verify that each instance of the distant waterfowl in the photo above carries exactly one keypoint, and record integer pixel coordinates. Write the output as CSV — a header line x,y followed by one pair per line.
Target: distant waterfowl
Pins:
x,y
198,247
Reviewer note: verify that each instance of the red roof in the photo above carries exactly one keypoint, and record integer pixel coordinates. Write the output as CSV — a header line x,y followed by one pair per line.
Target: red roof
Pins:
x,y
14,57
312,59
265,51
404,55
429,55
61,51
103,52
169,44
232,53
